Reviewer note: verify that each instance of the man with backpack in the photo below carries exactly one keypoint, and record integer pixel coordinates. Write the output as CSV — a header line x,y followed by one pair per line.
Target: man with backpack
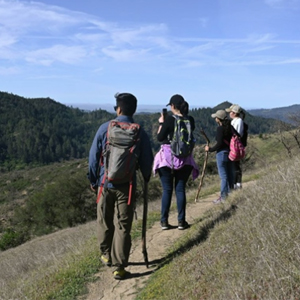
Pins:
x,y
120,146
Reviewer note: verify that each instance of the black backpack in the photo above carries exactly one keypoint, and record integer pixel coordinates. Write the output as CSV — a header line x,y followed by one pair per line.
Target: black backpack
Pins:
x,y
183,141
245,135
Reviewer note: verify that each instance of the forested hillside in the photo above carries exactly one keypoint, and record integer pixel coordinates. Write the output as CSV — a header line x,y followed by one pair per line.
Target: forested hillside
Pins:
x,y
285,114
41,131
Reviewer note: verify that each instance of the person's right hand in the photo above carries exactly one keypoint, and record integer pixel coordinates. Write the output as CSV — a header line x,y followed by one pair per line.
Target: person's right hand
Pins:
x,y
94,188
161,118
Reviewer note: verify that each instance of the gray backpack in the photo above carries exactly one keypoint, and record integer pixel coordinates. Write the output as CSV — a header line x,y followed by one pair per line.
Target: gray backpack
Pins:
x,y
122,151
120,156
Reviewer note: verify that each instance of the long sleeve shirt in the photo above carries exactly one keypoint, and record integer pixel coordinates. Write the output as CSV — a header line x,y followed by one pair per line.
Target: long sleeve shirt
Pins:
x,y
145,159
221,140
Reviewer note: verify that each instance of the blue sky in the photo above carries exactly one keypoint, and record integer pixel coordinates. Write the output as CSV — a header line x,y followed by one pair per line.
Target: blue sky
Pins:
x,y
209,51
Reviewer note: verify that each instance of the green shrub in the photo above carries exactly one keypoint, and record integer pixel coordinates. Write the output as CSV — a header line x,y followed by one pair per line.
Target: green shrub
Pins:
x,y
65,203
11,238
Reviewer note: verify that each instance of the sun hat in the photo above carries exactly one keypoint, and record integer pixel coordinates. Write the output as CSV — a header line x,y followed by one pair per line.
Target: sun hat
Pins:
x,y
220,114
235,108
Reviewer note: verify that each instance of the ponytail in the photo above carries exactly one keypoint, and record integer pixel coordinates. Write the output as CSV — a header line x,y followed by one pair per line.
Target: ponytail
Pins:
x,y
184,108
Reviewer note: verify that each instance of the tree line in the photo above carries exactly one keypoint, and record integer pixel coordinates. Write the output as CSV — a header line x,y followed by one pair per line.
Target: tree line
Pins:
x,y
40,131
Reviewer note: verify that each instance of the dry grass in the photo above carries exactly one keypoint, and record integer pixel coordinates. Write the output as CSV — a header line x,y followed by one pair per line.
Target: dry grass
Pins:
x,y
23,267
246,249
45,267
33,270
247,253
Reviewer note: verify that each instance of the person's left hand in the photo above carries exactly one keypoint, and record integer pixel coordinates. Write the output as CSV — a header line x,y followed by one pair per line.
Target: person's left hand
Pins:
x,y
206,148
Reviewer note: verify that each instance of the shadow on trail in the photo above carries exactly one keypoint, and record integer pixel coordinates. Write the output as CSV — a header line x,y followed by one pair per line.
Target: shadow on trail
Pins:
x,y
197,239
130,275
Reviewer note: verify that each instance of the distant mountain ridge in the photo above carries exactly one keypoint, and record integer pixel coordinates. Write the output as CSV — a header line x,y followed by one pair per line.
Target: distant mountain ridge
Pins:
x,y
141,108
279,113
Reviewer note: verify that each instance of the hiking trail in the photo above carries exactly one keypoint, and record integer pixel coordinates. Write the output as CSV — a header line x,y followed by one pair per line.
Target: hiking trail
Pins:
x,y
158,241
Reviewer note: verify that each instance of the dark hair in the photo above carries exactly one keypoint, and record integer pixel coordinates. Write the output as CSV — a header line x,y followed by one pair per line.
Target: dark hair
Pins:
x,y
183,108
127,102
226,123
243,114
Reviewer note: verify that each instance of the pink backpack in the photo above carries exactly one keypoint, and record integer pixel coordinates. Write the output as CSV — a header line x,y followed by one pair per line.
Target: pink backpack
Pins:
x,y
237,149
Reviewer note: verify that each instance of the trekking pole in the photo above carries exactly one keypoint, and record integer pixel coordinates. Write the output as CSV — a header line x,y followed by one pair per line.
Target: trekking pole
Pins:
x,y
144,226
204,164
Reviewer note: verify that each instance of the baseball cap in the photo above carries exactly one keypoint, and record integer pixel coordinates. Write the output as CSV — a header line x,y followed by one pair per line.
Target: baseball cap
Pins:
x,y
235,108
176,100
220,114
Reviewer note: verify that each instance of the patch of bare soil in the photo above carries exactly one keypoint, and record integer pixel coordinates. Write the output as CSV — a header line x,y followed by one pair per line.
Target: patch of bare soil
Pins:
x,y
158,242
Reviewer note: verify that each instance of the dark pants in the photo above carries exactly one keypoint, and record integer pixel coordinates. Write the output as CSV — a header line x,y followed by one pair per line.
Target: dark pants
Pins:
x,y
168,177
238,172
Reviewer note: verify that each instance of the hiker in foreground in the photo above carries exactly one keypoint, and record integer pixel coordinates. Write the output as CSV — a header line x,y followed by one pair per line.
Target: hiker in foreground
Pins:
x,y
225,166
174,162
238,124
116,186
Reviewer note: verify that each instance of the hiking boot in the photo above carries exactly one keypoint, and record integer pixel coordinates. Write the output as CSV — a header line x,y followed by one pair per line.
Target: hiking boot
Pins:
x,y
105,260
219,200
165,225
183,225
120,273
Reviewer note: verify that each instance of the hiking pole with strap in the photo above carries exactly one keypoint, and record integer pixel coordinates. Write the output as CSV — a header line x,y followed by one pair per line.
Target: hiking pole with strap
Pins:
x,y
144,226
204,164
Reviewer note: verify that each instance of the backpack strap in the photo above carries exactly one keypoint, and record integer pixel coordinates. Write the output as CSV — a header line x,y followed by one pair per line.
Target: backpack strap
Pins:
x,y
101,165
101,188
130,192
175,131
234,132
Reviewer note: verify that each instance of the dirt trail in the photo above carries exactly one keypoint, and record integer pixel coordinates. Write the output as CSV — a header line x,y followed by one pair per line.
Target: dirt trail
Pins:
x,y
158,241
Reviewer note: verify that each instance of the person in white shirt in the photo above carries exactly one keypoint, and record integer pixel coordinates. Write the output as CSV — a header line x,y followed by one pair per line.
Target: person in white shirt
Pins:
x,y
238,124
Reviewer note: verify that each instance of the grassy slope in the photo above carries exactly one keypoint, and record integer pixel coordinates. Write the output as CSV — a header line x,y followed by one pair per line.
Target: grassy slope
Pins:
x,y
213,246
246,249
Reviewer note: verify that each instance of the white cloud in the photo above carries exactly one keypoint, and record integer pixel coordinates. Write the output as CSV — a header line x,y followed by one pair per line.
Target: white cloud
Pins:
x,y
125,54
57,53
49,33
41,34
